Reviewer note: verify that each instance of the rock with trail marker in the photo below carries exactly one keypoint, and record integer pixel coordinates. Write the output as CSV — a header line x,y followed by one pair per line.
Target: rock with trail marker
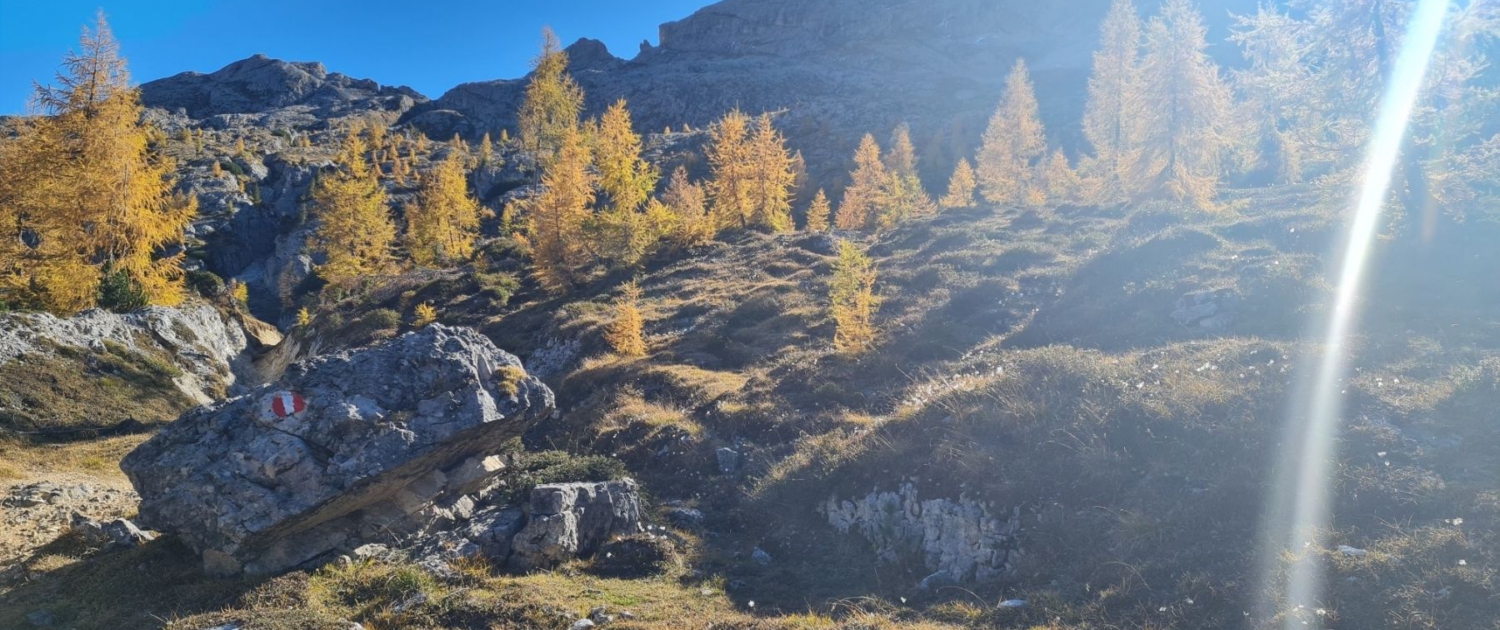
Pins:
x,y
346,448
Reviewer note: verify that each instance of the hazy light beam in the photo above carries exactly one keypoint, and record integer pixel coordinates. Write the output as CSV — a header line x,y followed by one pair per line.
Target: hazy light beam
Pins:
x,y
1310,508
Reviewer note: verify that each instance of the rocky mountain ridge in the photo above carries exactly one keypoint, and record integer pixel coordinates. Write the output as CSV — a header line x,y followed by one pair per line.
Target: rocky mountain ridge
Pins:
x,y
261,85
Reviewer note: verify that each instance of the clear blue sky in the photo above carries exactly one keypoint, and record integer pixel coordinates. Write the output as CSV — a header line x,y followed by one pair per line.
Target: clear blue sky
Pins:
x,y
430,45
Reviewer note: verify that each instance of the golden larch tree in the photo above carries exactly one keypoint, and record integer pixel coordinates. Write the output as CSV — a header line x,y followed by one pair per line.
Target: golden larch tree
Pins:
x,y
1013,143
486,149
866,194
729,157
552,102
355,232
87,194
905,196
819,213
626,332
772,174
1182,135
558,215
961,187
691,224
625,178
444,222
621,231
1059,183
852,299
1112,113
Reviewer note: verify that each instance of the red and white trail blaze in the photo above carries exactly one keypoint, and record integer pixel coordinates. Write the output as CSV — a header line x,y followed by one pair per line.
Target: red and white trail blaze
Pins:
x,y
285,404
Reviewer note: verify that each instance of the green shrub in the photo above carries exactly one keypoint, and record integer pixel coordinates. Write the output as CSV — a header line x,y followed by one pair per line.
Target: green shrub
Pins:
x,y
117,292
498,287
206,283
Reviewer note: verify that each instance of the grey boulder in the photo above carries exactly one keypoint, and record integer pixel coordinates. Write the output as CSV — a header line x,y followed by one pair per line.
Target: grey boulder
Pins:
x,y
567,520
383,434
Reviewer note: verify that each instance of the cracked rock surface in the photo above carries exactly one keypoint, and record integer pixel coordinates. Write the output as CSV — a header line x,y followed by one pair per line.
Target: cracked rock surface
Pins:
x,y
386,432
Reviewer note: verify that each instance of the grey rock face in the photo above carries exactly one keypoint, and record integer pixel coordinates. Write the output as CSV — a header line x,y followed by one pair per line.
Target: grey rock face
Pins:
x,y
958,540
571,519
386,432
206,345
940,66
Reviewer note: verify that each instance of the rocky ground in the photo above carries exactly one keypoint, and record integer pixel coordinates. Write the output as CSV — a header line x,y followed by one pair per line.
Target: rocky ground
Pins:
x,y
36,513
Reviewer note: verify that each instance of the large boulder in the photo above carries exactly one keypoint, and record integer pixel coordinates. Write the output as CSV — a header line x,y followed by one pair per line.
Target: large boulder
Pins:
x,y
342,449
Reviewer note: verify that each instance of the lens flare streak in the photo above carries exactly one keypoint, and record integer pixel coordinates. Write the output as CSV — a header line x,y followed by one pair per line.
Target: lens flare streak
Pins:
x,y
1315,420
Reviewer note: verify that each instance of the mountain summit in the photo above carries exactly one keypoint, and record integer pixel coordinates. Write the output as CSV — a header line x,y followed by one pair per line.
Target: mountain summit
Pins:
x,y
261,84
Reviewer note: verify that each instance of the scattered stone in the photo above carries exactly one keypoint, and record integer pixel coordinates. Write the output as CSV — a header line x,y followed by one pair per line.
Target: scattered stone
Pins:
x,y
382,431
124,534
89,530
1208,310
760,556
600,615
685,518
1013,603
729,460
582,624
1354,552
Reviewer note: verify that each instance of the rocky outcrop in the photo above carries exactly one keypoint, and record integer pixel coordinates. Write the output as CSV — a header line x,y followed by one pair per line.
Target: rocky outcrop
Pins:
x,y
558,522
958,540
344,448
206,345
573,519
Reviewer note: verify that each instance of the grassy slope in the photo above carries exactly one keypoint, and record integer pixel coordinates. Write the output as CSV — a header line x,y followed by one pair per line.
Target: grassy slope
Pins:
x,y
1029,359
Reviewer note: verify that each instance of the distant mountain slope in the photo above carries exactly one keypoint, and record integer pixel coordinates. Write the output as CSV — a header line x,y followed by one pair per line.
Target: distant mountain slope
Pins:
x,y
840,68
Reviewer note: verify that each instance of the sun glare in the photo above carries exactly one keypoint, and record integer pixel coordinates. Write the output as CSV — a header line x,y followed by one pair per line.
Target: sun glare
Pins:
x,y
1300,508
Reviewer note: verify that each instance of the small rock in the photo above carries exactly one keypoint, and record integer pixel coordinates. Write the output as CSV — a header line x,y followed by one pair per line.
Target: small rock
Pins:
x,y
416,599
1354,552
937,579
371,551
1013,603
729,460
125,535
582,624
760,556
685,518
88,529
39,618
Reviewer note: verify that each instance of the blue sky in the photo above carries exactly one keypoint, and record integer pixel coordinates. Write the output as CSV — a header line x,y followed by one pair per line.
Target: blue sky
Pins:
x,y
431,45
